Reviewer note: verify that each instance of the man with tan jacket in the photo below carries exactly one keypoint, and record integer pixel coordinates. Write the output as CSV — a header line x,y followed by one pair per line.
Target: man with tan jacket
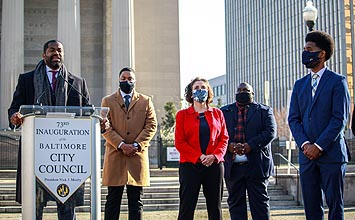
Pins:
x,y
133,125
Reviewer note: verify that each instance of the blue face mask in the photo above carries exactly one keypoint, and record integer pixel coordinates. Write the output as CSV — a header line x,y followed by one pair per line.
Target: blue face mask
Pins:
x,y
200,95
310,59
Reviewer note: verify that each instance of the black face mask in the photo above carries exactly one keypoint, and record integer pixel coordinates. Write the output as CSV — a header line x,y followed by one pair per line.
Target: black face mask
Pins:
x,y
243,98
310,59
126,86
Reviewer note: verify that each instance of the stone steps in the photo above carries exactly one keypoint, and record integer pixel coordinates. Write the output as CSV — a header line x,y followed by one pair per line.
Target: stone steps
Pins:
x,y
163,194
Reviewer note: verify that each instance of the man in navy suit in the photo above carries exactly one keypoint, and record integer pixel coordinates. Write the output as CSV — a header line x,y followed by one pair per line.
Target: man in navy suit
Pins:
x,y
318,114
248,162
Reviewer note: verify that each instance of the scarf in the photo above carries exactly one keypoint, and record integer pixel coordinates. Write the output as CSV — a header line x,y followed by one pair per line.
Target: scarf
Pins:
x,y
42,90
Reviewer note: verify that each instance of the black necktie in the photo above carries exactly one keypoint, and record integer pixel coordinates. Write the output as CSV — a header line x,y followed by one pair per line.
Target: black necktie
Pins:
x,y
126,100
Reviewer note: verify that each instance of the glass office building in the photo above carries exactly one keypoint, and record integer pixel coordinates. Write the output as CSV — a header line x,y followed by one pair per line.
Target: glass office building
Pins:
x,y
264,44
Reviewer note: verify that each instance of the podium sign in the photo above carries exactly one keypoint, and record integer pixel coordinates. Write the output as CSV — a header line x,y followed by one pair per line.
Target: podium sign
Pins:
x,y
61,148
62,154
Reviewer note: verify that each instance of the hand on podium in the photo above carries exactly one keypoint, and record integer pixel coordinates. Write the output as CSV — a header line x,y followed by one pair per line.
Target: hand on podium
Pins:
x,y
16,119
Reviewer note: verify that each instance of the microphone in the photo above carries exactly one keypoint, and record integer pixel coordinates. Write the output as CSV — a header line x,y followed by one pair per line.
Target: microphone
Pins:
x,y
72,86
123,106
39,98
87,104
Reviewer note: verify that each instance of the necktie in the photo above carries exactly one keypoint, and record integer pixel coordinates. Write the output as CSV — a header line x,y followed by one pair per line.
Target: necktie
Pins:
x,y
54,79
239,130
314,83
126,100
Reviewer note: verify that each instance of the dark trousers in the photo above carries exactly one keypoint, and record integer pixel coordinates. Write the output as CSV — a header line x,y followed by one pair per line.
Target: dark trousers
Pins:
x,y
329,178
191,177
64,211
114,199
237,186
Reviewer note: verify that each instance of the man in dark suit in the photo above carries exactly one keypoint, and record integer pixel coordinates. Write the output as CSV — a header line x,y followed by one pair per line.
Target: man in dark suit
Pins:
x,y
318,114
49,84
248,162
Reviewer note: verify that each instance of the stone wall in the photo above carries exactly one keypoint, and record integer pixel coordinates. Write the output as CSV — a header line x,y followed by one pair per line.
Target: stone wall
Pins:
x,y
156,47
289,183
92,32
351,145
40,25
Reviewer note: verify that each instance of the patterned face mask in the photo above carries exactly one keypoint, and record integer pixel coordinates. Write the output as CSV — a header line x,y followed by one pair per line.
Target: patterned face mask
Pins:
x,y
200,95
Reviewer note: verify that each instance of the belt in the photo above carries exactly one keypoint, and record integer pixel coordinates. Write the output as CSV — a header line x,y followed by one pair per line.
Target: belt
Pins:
x,y
240,163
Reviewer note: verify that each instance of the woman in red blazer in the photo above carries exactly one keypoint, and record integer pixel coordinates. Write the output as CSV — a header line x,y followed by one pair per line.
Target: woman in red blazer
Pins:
x,y
201,138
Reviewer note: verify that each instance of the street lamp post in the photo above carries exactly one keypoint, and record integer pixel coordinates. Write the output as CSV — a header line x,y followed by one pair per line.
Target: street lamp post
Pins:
x,y
310,15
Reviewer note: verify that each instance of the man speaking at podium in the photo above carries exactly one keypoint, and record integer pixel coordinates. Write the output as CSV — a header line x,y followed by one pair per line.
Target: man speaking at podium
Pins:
x,y
49,84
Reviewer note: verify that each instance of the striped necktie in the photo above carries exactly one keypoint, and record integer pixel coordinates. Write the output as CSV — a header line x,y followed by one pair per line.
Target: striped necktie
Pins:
x,y
315,76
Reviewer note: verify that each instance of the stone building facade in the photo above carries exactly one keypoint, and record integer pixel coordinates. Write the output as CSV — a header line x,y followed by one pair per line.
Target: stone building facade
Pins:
x,y
100,37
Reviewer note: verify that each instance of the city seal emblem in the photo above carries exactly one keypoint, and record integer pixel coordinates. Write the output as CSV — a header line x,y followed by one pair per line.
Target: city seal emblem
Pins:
x,y
63,190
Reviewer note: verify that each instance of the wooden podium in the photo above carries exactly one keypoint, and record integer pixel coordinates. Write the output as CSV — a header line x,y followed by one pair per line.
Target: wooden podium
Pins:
x,y
61,149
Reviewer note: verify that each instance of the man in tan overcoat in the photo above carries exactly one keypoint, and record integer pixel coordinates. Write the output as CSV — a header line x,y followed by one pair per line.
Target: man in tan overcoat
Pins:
x,y
133,124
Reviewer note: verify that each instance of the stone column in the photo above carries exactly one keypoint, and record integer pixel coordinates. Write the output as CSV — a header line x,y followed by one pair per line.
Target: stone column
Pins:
x,y
122,37
69,33
12,52
107,51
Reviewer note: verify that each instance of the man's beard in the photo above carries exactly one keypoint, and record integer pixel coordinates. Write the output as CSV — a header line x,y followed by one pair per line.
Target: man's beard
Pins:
x,y
53,64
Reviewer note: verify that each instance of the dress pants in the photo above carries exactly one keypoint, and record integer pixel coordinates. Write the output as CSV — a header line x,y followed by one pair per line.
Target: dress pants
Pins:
x,y
191,177
114,199
237,186
329,178
64,211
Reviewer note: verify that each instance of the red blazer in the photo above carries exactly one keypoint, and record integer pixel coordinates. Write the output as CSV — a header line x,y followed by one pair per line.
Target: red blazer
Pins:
x,y
187,140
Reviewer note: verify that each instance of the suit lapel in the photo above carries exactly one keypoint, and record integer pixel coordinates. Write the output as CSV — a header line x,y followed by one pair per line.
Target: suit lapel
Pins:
x,y
251,111
322,83
134,100
119,100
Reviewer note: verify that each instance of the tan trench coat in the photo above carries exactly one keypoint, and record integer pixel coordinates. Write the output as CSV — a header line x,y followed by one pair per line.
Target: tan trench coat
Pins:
x,y
138,124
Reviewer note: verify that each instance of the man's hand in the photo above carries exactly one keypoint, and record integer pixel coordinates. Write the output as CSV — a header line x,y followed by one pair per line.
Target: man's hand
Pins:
x,y
104,125
311,151
239,148
16,119
236,148
246,149
129,150
232,147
